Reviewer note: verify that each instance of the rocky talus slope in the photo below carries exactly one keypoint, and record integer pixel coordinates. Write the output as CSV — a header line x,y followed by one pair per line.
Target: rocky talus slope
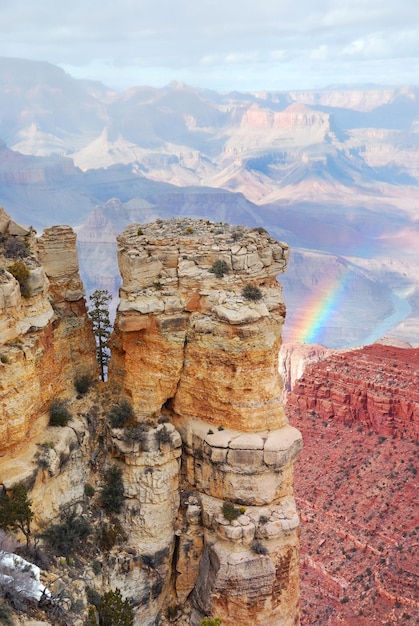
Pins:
x,y
207,524
356,486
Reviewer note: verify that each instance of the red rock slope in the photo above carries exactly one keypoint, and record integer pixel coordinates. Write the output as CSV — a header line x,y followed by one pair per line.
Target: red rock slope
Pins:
x,y
356,487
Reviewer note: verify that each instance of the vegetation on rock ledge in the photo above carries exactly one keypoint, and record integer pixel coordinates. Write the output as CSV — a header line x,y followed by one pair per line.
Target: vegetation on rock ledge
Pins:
x,y
219,268
21,273
251,292
112,497
15,511
59,415
230,512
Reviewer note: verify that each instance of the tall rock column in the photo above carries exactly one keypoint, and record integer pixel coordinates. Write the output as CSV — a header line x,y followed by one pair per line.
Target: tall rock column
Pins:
x,y
46,339
197,336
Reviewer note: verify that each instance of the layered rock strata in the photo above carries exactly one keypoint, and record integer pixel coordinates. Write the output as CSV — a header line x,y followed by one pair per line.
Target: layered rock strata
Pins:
x,y
375,386
356,486
45,335
189,342
150,466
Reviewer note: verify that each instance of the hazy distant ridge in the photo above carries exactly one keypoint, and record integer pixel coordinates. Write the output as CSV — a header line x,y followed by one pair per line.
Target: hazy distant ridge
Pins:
x,y
333,172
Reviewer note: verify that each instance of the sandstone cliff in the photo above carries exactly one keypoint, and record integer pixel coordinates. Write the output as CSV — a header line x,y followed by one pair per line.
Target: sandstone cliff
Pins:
x,y
45,338
375,387
188,342
208,524
356,486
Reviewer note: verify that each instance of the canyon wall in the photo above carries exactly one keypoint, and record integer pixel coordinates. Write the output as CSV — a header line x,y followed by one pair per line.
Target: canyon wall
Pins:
x,y
376,387
207,524
45,336
188,343
356,486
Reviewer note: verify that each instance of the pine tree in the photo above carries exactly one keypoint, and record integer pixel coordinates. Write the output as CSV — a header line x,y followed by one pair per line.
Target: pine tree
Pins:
x,y
15,511
114,611
99,314
112,497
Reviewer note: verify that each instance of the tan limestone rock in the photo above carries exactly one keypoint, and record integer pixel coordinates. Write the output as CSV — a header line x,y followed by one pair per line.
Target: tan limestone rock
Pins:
x,y
187,339
42,351
166,269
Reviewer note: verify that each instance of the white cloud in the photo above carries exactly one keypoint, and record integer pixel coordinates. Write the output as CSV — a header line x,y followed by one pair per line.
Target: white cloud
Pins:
x,y
321,53
204,41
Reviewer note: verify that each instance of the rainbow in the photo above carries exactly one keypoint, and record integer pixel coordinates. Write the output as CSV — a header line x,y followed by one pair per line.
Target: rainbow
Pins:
x,y
319,309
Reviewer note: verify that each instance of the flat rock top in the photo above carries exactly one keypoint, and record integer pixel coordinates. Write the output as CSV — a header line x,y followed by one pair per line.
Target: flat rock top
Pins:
x,y
195,231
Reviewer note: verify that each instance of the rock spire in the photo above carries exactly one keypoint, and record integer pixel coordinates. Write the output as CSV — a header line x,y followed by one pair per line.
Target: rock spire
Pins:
x,y
197,335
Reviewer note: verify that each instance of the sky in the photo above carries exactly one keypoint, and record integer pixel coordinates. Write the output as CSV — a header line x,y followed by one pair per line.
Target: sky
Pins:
x,y
223,45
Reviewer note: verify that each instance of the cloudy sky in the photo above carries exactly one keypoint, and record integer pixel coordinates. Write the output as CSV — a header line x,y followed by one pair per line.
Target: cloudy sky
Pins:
x,y
220,44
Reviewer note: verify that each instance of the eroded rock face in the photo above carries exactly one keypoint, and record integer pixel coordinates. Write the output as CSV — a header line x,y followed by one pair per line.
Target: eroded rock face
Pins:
x,y
199,360
45,336
151,472
356,486
186,334
189,342
375,386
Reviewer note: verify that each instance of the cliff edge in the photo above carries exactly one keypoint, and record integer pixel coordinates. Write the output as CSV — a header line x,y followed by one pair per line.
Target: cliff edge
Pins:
x,y
197,335
180,467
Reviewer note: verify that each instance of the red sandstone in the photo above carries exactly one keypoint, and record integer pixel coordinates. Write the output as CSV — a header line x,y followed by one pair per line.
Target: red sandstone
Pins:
x,y
356,487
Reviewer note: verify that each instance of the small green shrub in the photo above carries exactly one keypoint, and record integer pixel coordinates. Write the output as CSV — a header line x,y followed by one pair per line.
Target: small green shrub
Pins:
x,y
59,415
134,432
21,273
258,548
77,605
15,248
251,292
82,383
93,596
15,511
113,610
172,611
48,445
120,414
5,614
140,232
189,230
163,435
263,519
112,496
68,536
230,512
110,535
4,358
211,621
89,490
97,568
219,268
